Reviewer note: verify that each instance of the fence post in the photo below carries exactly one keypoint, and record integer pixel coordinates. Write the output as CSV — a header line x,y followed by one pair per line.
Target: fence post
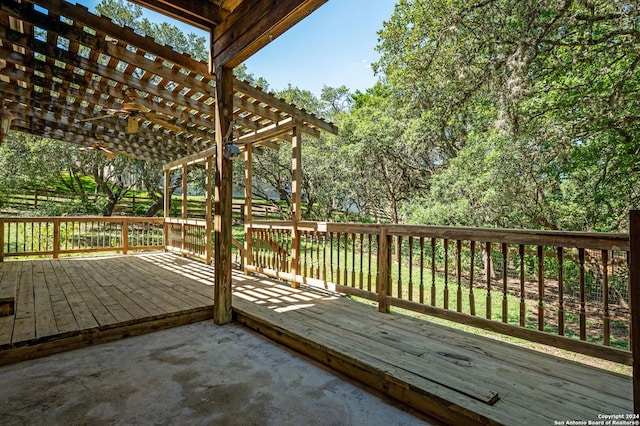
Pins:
x,y
384,256
125,235
56,238
634,302
35,199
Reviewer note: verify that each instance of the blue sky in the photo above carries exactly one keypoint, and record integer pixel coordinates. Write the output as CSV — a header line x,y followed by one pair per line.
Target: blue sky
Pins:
x,y
333,46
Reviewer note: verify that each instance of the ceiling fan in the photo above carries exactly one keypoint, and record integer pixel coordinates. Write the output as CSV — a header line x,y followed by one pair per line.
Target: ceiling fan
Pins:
x,y
135,114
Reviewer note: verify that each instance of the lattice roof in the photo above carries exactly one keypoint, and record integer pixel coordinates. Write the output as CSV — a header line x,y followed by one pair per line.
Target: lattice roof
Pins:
x,y
73,76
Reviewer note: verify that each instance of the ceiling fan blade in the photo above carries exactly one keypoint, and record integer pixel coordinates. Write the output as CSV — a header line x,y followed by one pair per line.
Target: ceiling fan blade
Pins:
x,y
132,125
100,117
110,155
126,154
165,124
159,116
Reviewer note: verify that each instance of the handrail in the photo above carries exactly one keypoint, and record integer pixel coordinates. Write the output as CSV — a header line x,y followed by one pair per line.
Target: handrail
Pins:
x,y
565,289
539,285
53,236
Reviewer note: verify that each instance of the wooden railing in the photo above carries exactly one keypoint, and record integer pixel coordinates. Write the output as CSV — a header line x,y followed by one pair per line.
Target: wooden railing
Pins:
x,y
189,237
53,236
565,289
569,290
192,237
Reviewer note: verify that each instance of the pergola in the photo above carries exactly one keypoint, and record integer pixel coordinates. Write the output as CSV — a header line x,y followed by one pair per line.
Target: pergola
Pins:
x,y
70,75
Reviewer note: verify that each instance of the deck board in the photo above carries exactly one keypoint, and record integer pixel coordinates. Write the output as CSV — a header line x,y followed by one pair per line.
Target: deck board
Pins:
x,y
454,376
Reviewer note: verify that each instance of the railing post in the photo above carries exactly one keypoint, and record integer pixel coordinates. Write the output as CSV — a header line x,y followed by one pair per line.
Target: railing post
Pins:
x,y
167,207
1,240
184,210
634,302
384,256
56,238
125,235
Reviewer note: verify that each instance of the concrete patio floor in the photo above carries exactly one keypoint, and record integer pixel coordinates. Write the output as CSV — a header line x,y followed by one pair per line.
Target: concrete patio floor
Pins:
x,y
199,374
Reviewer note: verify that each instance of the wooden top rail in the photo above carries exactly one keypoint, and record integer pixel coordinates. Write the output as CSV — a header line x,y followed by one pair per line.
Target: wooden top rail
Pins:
x,y
587,240
180,221
83,219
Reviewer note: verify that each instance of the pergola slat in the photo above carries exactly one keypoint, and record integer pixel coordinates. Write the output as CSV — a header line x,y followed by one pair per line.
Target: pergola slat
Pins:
x,y
61,65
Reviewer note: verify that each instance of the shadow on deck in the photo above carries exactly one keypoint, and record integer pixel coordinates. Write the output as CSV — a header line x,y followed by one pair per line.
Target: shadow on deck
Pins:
x,y
453,376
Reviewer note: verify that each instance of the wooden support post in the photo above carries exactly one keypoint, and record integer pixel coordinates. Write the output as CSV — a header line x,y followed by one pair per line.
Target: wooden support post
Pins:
x,y
222,313
167,207
208,213
296,199
383,282
634,302
248,211
184,210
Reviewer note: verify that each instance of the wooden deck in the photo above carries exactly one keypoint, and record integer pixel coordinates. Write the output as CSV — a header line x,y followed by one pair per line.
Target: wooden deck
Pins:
x,y
456,377
63,304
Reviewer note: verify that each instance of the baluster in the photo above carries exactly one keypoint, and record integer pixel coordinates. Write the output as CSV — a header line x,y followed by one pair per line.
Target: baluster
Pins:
x,y
605,297
346,259
488,276
353,260
304,236
505,276
399,263
421,269
523,308
338,235
446,274
32,239
410,284
324,257
361,277
472,300
561,291
369,262
257,243
540,288
261,239
583,316
317,241
331,255
459,275
433,272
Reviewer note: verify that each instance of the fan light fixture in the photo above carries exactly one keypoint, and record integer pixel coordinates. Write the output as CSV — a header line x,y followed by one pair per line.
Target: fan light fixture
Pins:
x,y
231,151
5,122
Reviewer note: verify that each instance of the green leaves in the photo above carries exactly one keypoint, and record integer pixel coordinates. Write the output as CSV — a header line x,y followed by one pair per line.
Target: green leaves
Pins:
x,y
533,103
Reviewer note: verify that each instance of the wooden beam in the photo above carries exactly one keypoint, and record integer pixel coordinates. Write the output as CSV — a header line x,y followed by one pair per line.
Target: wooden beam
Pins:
x,y
199,13
222,313
253,24
282,105
208,208
106,26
